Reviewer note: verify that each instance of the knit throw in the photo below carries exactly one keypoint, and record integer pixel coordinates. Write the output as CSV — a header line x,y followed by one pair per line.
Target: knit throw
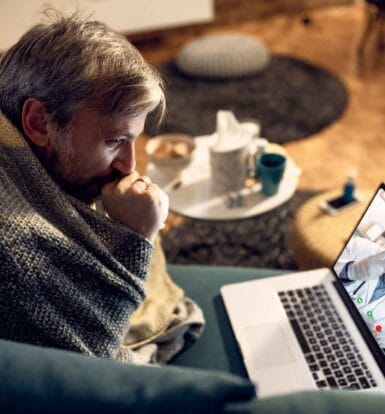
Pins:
x,y
71,277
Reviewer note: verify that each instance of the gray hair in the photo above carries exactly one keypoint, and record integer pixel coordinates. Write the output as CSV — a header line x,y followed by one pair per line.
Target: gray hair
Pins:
x,y
69,63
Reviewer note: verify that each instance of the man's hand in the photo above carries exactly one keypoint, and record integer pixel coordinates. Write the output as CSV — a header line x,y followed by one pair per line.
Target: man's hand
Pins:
x,y
137,203
371,267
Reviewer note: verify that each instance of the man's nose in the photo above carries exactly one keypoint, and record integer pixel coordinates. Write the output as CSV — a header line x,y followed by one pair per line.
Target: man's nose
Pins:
x,y
125,161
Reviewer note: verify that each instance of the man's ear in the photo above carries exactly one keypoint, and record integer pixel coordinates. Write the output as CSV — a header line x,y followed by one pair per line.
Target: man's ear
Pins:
x,y
35,121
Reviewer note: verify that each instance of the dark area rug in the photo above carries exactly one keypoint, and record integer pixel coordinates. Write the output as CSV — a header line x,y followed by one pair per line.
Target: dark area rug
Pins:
x,y
291,99
255,242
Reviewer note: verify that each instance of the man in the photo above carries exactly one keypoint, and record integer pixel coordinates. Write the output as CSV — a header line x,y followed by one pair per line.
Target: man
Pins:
x,y
74,95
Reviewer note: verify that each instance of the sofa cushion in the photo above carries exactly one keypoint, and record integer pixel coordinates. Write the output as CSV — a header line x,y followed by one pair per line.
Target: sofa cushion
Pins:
x,y
314,402
44,380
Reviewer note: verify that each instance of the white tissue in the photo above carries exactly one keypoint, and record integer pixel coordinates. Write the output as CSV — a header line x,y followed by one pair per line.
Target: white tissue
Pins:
x,y
230,134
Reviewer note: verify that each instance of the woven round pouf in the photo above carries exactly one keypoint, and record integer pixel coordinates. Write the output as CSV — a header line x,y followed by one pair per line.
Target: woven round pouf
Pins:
x,y
221,56
316,237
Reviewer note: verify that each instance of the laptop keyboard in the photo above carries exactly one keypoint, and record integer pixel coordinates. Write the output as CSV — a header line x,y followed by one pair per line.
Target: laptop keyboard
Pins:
x,y
332,356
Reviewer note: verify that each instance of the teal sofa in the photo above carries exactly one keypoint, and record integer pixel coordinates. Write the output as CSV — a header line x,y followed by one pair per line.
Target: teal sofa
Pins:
x,y
208,377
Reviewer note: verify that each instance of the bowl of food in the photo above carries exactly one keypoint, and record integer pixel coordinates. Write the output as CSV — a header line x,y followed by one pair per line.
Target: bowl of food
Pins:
x,y
171,153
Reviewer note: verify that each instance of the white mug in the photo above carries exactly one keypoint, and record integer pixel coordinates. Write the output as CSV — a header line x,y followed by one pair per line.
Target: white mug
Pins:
x,y
228,169
229,166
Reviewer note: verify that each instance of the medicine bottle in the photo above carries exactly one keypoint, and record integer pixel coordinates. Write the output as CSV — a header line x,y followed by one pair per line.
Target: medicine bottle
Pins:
x,y
349,188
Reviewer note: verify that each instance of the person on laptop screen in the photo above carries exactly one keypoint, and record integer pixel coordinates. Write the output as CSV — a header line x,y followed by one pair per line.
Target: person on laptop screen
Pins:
x,y
361,268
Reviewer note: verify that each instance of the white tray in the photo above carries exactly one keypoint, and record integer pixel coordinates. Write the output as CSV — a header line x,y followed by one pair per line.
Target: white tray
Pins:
x,y
193,197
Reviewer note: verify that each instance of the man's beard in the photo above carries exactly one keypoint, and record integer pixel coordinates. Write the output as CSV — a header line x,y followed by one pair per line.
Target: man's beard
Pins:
x,y
63,166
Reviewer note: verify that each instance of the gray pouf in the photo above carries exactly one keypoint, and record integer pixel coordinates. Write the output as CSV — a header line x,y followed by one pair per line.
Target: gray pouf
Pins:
x,y
220,56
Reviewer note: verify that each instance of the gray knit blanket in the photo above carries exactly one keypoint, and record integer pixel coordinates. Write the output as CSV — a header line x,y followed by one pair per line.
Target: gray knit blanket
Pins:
x,y
70,277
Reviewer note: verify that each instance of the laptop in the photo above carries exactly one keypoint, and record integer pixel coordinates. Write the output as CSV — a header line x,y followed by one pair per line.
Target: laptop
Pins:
x,y
318,329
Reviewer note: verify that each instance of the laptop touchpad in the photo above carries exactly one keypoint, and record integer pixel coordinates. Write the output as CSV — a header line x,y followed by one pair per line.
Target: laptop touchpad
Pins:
x,y
267,346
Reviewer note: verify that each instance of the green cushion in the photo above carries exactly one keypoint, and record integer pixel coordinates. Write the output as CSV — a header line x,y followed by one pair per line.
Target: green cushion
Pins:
x,y
315,402
44,380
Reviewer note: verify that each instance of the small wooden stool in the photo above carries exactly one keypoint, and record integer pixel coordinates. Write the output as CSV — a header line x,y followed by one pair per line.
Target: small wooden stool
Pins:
x,y
316,237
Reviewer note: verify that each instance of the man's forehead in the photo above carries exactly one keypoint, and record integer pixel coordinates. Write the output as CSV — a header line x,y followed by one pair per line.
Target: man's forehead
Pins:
x,y
114,123
125,124
117,124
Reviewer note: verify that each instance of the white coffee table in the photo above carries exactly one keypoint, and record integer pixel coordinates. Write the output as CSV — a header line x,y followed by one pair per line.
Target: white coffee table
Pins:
x,y
193,196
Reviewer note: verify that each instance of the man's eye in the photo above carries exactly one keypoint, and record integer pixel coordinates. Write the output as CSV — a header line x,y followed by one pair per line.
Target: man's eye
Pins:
x,y
114,142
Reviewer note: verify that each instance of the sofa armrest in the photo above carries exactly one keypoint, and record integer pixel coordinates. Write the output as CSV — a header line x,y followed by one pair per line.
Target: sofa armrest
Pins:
x,y
44,380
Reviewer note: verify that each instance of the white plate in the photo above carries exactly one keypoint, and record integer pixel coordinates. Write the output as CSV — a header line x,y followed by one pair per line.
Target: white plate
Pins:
x,y
194,198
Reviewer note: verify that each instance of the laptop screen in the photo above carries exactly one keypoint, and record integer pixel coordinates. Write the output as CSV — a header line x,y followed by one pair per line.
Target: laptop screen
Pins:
x,y
361,267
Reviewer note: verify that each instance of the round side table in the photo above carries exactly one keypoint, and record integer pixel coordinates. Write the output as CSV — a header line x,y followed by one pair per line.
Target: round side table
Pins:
x,y
316,237
193,196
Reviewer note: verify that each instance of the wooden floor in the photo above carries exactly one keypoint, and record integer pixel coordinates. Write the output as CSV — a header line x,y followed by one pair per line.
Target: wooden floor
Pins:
x,y
357,140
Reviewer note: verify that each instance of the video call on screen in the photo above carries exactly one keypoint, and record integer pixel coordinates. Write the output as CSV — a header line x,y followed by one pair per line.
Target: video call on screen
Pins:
x,y
361,267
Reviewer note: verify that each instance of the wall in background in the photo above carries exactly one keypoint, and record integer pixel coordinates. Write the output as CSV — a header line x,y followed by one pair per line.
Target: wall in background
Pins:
x,y
16,16
229,11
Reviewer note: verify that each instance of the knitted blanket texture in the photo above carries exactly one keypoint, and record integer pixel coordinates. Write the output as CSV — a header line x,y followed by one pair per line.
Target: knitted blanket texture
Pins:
x,y
70,277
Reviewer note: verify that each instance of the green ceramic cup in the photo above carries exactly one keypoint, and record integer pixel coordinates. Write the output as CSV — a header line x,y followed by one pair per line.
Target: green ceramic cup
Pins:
x,y
270,169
